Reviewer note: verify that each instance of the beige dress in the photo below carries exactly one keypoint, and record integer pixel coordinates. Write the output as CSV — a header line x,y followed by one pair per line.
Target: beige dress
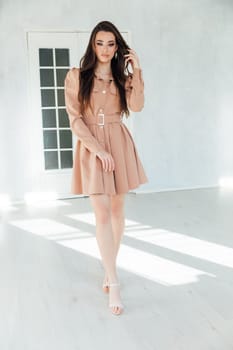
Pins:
x,y
102,128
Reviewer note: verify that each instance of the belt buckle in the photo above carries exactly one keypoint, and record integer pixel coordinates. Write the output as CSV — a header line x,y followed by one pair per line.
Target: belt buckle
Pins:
x,y
101,123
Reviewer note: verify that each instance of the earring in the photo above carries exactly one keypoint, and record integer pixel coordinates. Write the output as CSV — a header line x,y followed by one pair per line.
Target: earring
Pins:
x,y
116,55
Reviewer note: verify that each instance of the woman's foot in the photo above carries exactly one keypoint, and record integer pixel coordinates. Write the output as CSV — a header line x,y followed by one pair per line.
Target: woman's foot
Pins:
x,y
115,303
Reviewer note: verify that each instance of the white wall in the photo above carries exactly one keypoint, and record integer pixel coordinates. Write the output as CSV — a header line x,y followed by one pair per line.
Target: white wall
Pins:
x,y
184,133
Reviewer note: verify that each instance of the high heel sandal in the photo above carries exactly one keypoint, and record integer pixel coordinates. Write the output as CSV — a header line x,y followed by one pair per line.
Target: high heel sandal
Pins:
x,y
119,304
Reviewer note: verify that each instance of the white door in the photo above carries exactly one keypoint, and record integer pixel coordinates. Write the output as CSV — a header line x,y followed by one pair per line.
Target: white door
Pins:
x,y
50,57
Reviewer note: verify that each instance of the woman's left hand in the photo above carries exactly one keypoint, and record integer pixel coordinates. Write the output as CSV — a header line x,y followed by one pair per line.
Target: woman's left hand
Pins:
x,y
132,58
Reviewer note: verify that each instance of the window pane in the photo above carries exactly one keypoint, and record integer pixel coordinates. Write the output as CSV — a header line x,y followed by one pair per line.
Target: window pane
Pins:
x,y
55,120
61,74
50,139
51,160
49,118
65,139
60,97
46,77
63,118
62,57
66,159
47,98
46,57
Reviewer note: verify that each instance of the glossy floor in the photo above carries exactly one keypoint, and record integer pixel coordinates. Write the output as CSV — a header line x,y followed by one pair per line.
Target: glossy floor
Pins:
x,y
175,267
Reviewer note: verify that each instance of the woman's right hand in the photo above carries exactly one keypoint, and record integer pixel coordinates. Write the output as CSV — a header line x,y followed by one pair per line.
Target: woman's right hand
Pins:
x,y
107,161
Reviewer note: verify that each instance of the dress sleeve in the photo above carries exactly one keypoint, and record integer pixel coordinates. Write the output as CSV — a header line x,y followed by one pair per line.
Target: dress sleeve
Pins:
x,y
77,125
134,87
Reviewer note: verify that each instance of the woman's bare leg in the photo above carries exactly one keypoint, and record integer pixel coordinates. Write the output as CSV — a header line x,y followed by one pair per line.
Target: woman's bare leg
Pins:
x,y
118,224
117,219
105,239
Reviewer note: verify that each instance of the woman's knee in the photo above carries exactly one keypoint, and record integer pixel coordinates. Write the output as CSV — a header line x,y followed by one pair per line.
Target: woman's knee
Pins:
x,y
117,206
103,215
102,209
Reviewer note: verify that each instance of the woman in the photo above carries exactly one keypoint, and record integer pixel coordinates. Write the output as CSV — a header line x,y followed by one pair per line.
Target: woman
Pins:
x,y
106,163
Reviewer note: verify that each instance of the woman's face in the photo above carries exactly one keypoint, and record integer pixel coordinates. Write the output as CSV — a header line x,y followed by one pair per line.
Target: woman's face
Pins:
x,y
105,46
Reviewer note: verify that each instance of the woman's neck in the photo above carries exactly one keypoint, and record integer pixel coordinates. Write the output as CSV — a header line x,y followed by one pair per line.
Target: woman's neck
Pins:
x,y
103,68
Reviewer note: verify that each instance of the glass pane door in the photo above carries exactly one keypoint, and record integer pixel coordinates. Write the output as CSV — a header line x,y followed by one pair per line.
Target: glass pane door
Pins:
x,y
54,63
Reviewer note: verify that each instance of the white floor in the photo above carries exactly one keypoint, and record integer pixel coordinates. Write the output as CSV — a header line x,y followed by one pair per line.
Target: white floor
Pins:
x,y
175,267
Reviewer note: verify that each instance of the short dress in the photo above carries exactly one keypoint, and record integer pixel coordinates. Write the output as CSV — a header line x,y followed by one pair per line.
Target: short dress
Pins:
x,y
101,128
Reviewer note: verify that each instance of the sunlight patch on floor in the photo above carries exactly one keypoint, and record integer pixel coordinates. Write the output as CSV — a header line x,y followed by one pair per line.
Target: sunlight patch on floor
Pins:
x,y
138,261
187,245
87,218
51,229
174,241
141,263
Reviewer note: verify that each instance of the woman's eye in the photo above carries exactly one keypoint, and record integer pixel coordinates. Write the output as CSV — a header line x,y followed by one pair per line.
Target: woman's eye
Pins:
x,y
109,45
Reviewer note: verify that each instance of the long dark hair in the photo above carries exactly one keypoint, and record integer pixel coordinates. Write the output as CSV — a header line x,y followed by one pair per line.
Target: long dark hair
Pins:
x,y
88,64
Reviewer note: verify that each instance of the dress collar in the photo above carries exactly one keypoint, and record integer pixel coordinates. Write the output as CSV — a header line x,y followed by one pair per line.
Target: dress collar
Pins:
x,y
100,77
